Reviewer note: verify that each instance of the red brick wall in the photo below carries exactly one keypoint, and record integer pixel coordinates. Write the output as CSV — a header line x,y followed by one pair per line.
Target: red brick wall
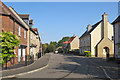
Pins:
x,y
7,25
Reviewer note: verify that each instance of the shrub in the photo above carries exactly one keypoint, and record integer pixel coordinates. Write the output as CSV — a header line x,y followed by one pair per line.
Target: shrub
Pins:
x,y
75,52
87,53
60,50
8,42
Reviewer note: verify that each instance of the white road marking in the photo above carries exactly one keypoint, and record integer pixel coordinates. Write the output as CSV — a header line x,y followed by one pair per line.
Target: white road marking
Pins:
x,y
106,73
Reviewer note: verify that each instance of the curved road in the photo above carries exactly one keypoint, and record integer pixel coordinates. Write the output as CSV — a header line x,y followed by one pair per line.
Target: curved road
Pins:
x,y
70,66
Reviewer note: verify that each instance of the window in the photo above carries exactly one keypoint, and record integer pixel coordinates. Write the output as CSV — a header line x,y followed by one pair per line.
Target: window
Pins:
x,y
19,31
81,41
88,39
119,30
24,34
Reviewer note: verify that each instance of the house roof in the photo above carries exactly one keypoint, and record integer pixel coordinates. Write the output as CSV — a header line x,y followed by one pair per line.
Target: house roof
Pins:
x,y
31,29
24,15
93,27
117,20
35,29
6,11
31,21
69,41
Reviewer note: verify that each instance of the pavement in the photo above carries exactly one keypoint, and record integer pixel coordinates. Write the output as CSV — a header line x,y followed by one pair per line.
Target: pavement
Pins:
x,y
36,65
20,64
70,67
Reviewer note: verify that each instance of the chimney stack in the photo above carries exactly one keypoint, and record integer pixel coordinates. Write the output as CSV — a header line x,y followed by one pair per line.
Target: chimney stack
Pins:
x,y
105,25
74,35
89,27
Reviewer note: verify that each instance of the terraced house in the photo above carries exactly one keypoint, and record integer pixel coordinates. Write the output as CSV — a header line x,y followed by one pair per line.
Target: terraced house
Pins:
x,y
22,26
26,25
11,23
37,42
98,39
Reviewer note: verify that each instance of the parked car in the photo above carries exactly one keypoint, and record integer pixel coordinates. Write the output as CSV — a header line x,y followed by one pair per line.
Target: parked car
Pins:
x,y
56,52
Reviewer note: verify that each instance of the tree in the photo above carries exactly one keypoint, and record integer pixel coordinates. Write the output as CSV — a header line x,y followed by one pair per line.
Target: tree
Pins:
x,y
44,47
8,42
60,43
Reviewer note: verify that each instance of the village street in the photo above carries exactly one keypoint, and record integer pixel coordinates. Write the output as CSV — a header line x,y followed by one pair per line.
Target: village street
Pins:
x,y
62,66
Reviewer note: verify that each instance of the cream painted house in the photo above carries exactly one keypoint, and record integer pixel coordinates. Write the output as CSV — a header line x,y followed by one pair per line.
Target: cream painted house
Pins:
x,y
38,41
33,43
116,24
72,43
98,39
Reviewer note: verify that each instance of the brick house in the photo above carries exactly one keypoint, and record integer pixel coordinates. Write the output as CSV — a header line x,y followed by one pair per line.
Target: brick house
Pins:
x,y
11,23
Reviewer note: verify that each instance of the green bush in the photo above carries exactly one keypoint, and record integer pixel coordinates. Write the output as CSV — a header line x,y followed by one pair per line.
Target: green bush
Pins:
x,y
75,52
60,50
87,53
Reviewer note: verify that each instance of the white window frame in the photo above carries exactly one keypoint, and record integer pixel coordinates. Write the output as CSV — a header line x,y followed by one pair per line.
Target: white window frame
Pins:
x,y
19,32
24,34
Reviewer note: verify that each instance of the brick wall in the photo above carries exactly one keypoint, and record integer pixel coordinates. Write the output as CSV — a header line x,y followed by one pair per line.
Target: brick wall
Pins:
x,y
7,25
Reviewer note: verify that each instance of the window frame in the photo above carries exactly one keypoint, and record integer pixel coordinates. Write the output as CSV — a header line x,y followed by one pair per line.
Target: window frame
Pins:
x,y
24,34
19,31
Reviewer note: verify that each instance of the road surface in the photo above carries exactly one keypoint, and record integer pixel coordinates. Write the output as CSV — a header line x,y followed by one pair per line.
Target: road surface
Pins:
x,y
63,66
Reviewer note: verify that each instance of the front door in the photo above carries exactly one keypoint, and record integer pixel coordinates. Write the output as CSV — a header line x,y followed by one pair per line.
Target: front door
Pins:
x,y
19,54
106,52
23,54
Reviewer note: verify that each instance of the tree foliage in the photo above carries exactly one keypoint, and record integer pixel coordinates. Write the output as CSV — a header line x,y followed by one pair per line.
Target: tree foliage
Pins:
x,y
54,45
8,42
60,43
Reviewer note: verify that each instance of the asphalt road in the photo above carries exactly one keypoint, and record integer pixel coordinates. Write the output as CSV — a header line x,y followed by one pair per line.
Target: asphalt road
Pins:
x,y
70,66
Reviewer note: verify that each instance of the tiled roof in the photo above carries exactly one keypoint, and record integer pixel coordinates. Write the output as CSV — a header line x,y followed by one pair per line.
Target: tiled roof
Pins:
x,y
117,20
35,29
69,41
93,27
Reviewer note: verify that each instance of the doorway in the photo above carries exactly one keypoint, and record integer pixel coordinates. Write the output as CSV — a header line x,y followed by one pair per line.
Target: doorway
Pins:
x,y
106,52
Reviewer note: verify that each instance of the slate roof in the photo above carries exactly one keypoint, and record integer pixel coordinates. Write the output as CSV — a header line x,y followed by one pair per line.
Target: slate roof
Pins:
x,y
24,16
117,20
93,27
